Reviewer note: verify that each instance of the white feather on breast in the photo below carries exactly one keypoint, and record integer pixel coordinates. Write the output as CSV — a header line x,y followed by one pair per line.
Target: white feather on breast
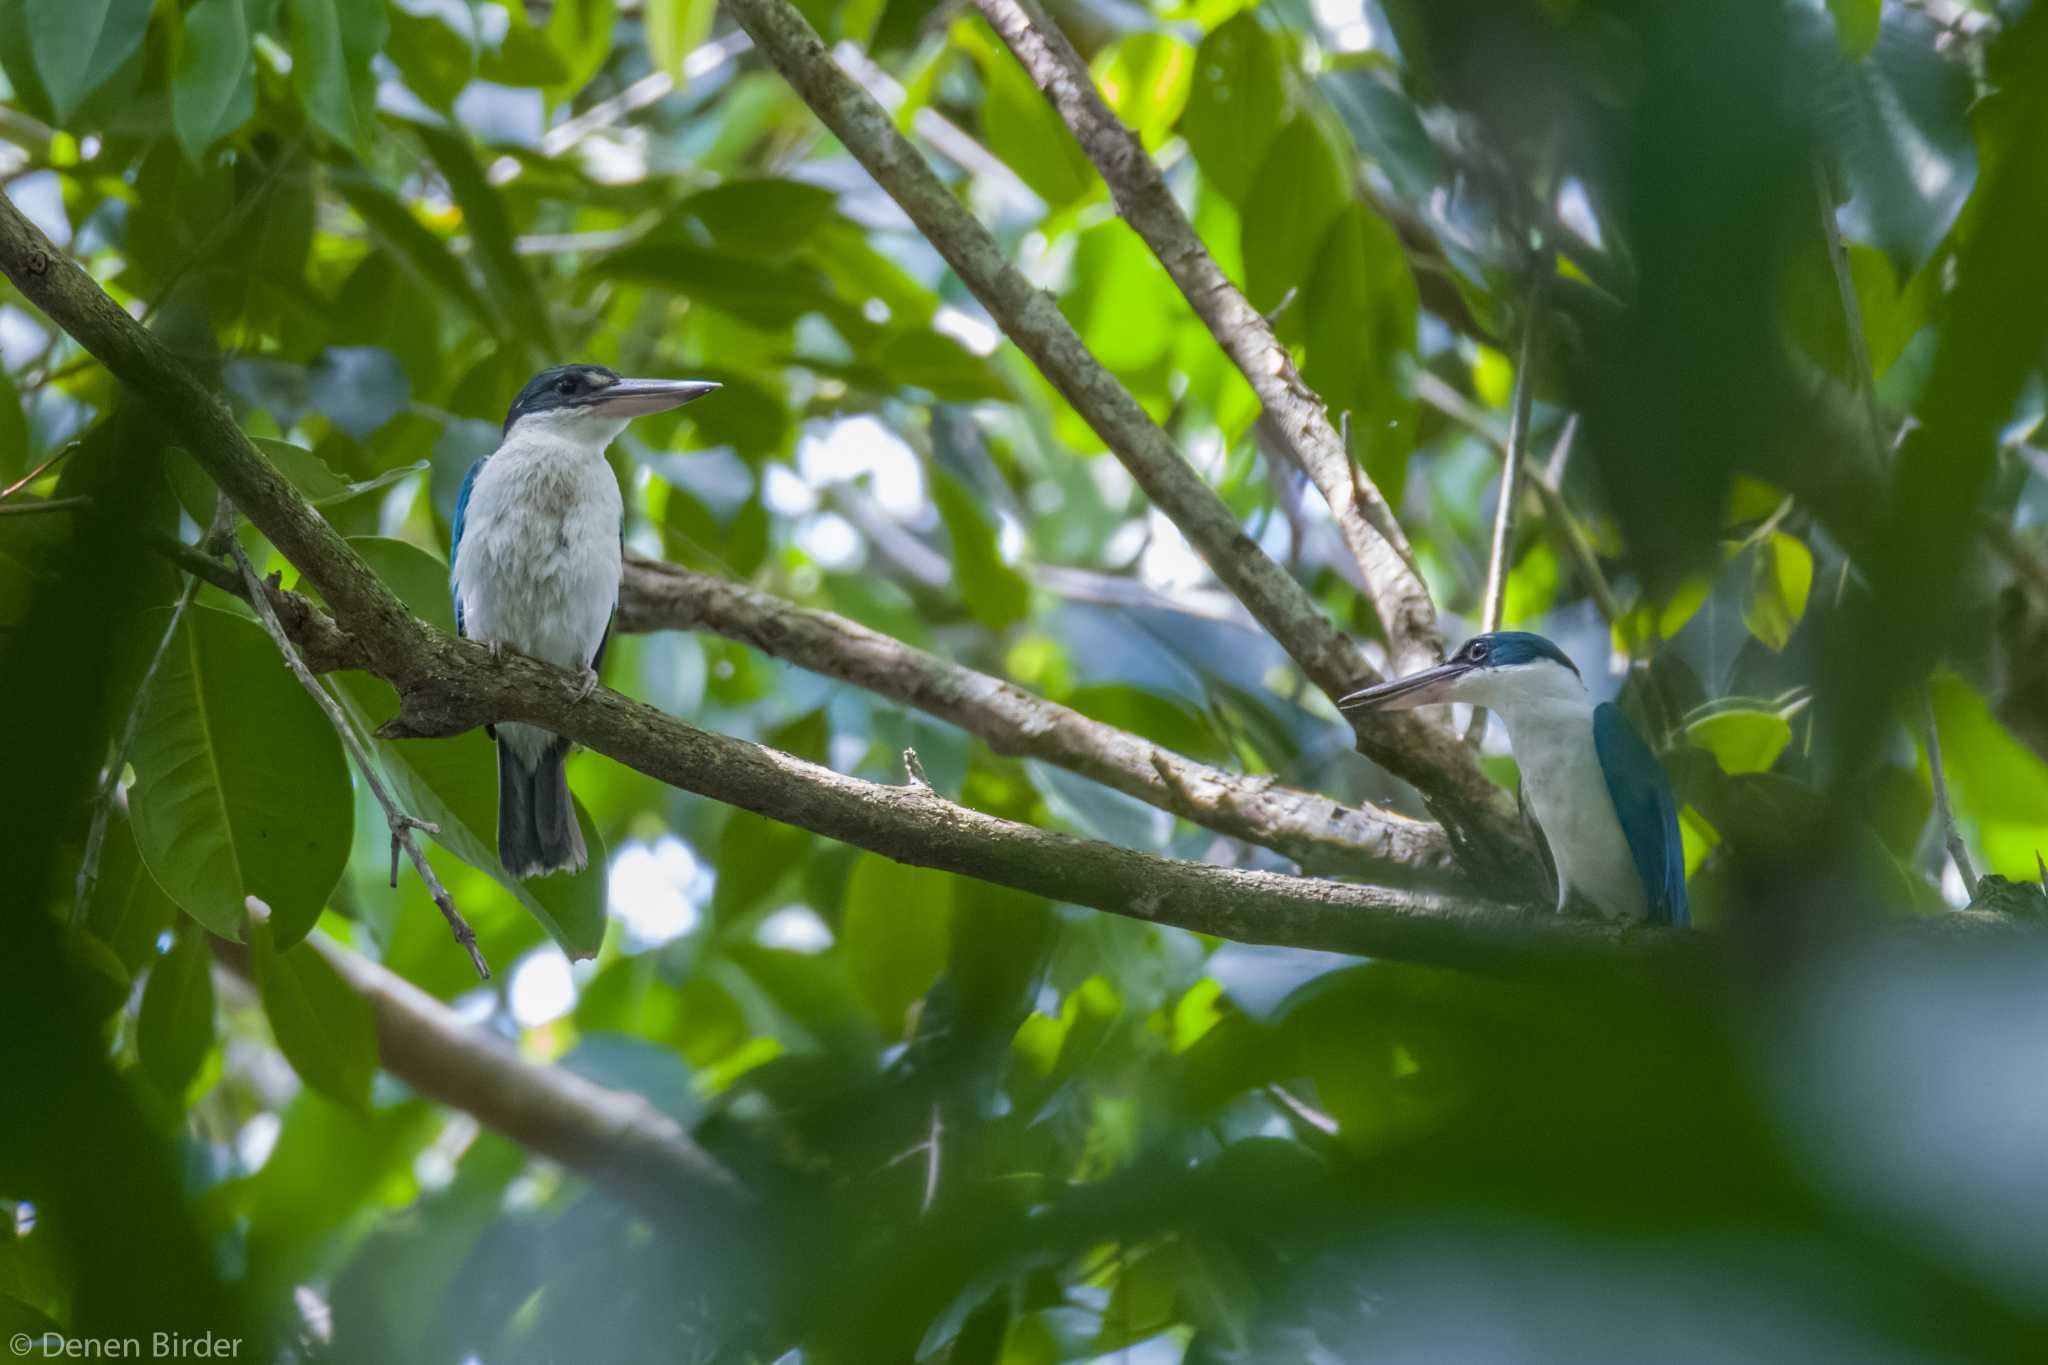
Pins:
x,y
1568,792
539,565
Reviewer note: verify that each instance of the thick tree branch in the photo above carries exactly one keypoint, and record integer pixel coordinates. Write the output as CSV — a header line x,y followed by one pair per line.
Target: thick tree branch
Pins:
x,y
1364,519
1478,815
614,1137
448,685
1313,830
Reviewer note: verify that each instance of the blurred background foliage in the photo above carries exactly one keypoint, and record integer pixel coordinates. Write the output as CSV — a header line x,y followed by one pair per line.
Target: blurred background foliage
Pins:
x,y
1782,265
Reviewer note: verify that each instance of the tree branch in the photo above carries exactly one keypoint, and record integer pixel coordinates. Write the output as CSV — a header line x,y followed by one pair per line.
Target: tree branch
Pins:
x,y
1313,830
402,825
1478,815
614,1137
1366,522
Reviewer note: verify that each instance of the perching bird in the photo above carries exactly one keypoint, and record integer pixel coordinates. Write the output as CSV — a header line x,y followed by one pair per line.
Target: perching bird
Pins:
x,y
1604,805
534,565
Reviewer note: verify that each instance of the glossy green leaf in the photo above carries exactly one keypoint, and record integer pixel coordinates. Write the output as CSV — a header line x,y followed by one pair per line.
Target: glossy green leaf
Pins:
x,y
1300,189
1362,311
759,216
323,1028
1145,79
1236,105
674,29
895,928
579,35
240,784
1856,25
79,43
1999,785
174,1026
213,89
1742,740
1781,579
997,595
128,910
332,44
1019,125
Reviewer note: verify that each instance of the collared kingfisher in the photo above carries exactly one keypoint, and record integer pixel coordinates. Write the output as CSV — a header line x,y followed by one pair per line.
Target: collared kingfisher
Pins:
x,y
1604,806
534,565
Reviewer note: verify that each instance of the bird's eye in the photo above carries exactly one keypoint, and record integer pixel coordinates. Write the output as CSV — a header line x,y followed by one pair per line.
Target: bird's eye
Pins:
x,y
566,384
1477,649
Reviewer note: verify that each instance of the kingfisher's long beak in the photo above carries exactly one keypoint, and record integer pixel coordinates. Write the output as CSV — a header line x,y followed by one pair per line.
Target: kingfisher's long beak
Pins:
x,y
639,397
1430,687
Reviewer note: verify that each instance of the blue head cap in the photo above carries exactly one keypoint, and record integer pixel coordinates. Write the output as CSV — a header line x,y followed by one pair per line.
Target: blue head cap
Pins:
x,y
595,389
1506,648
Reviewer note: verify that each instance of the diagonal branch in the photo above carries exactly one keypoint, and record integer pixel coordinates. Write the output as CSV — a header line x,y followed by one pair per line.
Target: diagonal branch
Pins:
x,y
1313,830
1478,815
1367,523
403,826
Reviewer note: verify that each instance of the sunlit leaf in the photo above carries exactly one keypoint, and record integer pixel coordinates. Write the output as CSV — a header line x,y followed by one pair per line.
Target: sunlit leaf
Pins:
x,y
1856,23
1299,190
674,28
1781,578
332,44
1236,105
1742,740
1145,79
2000,786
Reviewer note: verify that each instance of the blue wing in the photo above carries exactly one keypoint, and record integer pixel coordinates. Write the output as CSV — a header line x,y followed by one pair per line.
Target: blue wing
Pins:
x,y
455,535
1649,816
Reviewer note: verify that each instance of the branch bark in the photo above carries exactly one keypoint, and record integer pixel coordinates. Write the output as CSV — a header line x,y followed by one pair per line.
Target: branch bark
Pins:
x,y
1478,815
1367,524
1313,830
614,1137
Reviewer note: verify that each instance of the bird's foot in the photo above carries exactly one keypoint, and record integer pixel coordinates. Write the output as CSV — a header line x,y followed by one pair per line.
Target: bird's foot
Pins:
x,y
497,648
586,684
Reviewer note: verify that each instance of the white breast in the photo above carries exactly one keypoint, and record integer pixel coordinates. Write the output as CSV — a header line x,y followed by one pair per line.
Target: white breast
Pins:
x,y
1553,746
539,564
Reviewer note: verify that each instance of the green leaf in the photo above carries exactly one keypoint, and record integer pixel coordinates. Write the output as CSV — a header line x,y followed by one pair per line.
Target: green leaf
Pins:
x,y
316,479
1299,191
997,595
332,43
760,216
894,930
213,85
1742,740
579,33
79,43
453,783
1999,784
1236,105
1648,623
435,50
674,29
755,855
1361,310
13,432
931,361
323,1028
1856,25
1145,79
490,230
1020,127
1781,578
240,784
174,1027
422,253
128,910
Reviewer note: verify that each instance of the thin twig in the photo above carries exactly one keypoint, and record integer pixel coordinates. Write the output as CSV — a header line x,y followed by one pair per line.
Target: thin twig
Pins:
x,y
26,509
1516,451
402,825
38,472
1565,527
110,779
1852,310
1958,851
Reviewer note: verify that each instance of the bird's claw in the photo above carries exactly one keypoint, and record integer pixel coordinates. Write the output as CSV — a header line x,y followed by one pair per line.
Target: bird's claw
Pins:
x,y
497,648
586,684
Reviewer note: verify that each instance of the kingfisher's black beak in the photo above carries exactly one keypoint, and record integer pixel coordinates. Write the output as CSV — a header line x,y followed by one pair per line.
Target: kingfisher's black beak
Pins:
x,y
1430,687
639,397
